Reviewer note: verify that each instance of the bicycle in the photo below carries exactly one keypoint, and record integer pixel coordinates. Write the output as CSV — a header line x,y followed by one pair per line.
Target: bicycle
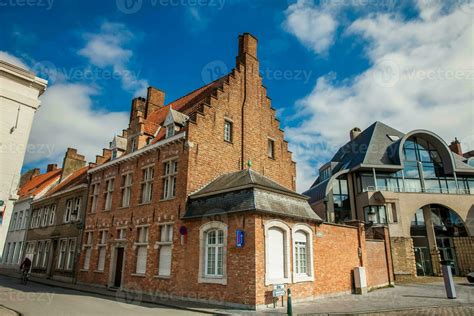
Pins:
x,y
24,276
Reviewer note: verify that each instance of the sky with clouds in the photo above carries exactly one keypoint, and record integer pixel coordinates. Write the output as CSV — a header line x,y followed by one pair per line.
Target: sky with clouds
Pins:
x,y
329,65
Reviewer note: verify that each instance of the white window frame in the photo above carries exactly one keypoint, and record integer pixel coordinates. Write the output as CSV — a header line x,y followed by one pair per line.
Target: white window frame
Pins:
x,y
309,275
39,217
102,249
108,193
68,211
52,215
87,248
46,250
170,130
34,214
166,240
203,277
121,236
148,175
228,130
95,196
286,251
142,243
76,209
13,222
169,179
126,188
71,254
45,219
62,254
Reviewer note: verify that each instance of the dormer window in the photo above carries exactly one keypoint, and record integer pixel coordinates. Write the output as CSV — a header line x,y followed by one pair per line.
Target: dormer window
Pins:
x,y
169,130
134,144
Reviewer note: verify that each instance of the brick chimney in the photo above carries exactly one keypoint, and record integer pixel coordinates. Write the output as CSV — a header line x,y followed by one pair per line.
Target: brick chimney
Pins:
x,y
106,154
155,99
137,110
72,162
51,167
456,147
247,47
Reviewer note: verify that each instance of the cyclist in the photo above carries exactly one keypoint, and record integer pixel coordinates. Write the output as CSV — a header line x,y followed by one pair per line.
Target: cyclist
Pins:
x,y
25,269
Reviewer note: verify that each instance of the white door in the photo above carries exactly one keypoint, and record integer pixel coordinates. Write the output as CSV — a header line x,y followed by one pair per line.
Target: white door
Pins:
x,y
276,254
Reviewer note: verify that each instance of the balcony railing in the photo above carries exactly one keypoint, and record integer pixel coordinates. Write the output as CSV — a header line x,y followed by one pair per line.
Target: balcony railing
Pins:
x,y
416,190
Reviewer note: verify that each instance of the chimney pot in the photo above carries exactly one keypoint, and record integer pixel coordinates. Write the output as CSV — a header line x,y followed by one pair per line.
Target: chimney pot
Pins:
x,y
354,133
51,167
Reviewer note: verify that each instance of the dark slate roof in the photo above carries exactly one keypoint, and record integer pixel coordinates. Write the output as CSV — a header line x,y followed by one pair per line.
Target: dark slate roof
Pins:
x,y
241,179
248,190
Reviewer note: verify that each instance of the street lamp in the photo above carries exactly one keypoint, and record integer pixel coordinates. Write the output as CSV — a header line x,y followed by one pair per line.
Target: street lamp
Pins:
x,y
371,217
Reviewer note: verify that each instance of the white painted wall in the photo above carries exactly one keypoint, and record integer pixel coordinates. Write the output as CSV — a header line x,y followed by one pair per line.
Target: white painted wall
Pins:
x,y
19,93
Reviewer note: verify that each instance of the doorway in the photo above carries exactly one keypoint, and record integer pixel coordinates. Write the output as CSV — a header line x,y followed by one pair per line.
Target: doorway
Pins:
x,y
118,266
423,261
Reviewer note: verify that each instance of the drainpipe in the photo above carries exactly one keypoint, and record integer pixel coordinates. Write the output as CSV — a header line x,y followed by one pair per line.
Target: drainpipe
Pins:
x,y
242,120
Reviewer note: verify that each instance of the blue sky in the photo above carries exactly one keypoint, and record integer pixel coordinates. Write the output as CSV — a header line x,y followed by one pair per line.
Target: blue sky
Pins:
x,y
328,65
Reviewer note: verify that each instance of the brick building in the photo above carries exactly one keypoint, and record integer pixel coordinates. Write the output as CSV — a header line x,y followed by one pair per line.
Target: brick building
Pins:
x,y
202,205
56,221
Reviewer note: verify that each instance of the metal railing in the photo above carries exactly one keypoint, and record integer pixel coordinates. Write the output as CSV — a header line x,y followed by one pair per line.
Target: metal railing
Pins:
x,y
371,188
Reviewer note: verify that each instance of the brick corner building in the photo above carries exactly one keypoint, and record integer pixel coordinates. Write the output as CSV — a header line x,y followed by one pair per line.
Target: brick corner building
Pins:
x,y
201,204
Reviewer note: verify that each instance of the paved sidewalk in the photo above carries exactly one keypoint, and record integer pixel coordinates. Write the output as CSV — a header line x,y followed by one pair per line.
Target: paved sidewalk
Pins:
x,y
426,297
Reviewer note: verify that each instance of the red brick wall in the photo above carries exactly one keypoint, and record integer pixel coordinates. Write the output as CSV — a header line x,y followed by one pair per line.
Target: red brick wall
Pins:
x,y
376,268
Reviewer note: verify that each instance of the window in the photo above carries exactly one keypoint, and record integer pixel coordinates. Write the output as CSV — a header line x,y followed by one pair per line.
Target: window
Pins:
x,y
303,253
94,197
169,179
76,211
20,248
147,184
228,131
19,225
213,252
121,234
87,249
47,246
126,189
68,211
38,219
271,148
109,189
340,193
165,244
277,246
33,218
45,219
13,223
324,174
133,145
142,245
62,253
71,254
52,214
39,254
101,250
169,130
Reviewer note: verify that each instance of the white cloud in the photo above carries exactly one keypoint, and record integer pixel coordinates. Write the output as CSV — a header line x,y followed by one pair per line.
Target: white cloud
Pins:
x,y
67,119
107,49
421,76
313,25
13,60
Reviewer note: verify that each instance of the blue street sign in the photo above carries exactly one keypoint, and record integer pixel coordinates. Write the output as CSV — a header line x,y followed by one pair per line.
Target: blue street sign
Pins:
x,y
239,240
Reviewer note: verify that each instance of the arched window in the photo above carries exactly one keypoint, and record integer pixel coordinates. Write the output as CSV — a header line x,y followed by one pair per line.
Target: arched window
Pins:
x,y
213,253
423,168
277,252
303,262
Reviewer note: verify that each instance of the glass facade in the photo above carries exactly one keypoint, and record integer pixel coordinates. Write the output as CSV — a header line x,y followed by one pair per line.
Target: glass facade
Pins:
x,y
423,172
342,205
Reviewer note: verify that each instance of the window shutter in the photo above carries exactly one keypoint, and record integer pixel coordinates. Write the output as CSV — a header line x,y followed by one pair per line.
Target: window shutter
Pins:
x,y
87,259
165,260
141,259
276,261
101,264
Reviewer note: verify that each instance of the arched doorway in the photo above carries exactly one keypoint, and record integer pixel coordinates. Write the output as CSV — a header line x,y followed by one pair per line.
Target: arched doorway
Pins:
x,y
433,227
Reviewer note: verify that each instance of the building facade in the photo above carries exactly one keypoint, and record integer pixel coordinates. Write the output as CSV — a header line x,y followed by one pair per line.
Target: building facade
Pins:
x,y
415,184
33,188
19,93
201,206
56,222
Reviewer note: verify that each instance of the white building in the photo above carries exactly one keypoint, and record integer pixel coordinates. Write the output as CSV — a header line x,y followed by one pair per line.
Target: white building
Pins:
x,y
19,93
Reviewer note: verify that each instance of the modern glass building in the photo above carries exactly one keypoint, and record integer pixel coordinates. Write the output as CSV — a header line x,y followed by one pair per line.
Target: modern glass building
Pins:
x,y
414,184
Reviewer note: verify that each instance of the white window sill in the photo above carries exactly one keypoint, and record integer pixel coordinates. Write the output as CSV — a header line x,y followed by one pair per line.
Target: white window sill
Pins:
x,y
141,275
84,270
99,271
303,278
166,277
168,199
277,281
217,280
